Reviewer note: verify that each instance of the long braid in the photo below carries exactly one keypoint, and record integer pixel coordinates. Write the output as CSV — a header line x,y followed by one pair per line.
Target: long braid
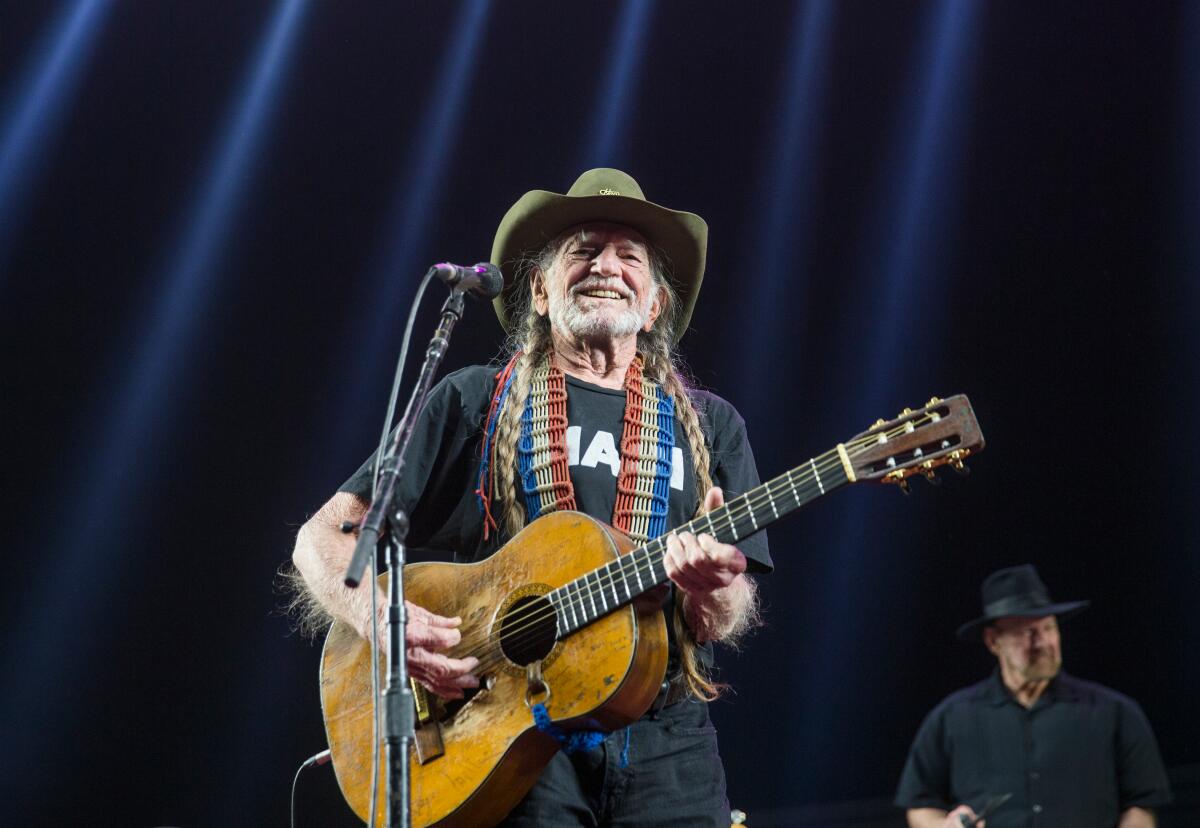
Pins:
x,y
531,337
512,513
697,677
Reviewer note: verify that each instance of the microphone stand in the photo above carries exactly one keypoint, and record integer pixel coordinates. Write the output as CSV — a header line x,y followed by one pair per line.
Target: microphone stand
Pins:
x,y
398,709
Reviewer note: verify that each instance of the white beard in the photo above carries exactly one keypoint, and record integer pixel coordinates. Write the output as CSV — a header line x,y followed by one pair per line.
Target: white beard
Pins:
x,y
568,316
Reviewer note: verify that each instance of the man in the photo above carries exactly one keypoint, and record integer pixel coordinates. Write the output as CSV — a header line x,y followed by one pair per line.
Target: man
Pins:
x,y
1070,752
599,283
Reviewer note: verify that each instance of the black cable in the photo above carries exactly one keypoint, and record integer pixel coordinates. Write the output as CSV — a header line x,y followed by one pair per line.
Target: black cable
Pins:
x,y
316,759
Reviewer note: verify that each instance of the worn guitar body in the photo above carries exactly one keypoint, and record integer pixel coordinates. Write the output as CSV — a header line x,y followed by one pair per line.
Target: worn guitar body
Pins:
x,y
601,677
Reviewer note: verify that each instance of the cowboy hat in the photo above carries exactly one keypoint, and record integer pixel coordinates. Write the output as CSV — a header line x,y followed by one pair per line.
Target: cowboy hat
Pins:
x,y
1017,591
601,195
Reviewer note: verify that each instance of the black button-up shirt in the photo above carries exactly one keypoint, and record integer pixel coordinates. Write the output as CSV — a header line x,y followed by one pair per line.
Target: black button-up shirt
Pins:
x,y
1079,757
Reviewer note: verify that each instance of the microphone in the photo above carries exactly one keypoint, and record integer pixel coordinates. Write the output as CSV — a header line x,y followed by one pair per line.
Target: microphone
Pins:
x,y
483,281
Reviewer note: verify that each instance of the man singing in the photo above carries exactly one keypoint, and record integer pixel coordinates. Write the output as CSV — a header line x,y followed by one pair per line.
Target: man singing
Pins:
x,y
599,285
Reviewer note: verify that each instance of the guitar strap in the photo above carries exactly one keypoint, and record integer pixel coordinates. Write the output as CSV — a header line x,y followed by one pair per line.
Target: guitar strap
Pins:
x,y
647,440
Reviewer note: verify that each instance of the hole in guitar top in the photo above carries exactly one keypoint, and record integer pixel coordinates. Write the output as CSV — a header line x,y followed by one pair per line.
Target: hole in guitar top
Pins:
x,y
527,630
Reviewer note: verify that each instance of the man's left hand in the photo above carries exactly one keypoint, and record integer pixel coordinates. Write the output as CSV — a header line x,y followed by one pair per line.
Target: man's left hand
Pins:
x,y
700,564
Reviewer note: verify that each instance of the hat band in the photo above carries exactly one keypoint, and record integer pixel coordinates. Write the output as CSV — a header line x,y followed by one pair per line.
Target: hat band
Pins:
x,y
1015,604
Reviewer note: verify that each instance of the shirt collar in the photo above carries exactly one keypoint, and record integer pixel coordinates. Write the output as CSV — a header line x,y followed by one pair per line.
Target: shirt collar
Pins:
x,y
1062,688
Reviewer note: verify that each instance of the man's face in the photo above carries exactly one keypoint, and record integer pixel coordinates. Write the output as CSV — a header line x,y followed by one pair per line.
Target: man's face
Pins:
x,y
599,285
1027,648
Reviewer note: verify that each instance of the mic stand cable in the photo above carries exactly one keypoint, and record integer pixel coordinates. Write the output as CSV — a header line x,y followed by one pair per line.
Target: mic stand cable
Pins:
x,y
316,759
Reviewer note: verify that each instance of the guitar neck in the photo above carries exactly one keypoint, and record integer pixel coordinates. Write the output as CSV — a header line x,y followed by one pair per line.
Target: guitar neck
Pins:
x,y
583,600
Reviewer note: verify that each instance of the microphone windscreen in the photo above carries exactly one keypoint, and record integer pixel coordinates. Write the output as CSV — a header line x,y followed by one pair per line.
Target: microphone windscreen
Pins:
x,y
491,280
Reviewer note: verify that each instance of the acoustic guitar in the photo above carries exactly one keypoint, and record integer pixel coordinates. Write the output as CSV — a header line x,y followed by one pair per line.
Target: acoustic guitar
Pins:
x,y
559,616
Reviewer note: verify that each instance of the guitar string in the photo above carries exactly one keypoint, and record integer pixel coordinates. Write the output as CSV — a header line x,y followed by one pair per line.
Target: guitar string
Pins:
x,y
490,651
484,642
735,511
578,602
493,652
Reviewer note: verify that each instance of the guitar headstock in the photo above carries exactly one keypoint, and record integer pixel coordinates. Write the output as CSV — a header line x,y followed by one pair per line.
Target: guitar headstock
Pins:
x,y
942,433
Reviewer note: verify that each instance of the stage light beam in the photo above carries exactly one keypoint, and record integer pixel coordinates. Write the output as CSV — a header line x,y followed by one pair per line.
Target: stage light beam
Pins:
x,y
901,272
627,50
38,102
787,196
923,173
395,271
103,499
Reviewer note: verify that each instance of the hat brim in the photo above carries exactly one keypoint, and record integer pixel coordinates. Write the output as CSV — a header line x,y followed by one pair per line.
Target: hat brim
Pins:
x,y
972,629
540,215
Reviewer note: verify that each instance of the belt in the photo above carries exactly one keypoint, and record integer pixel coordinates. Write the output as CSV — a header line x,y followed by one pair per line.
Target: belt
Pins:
x,y
673,690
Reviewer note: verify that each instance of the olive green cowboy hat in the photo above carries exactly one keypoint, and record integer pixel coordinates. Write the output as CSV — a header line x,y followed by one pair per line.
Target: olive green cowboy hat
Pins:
x,y
601,195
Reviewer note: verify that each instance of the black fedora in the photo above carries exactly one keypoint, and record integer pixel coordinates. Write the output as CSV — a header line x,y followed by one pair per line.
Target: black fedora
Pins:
x,y
1017,591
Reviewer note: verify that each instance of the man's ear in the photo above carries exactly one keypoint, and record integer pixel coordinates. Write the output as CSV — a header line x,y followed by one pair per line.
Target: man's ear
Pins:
x,y
656,308
537,289
989,640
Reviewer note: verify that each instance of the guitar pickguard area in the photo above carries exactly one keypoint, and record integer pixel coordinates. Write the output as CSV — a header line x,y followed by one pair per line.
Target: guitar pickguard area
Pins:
x,y
524,628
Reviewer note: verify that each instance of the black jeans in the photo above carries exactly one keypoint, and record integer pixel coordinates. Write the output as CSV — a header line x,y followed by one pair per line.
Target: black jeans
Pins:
x,y
661,770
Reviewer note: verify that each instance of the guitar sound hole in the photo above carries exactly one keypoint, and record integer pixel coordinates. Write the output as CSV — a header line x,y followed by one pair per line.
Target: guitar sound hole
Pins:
x,y
527,630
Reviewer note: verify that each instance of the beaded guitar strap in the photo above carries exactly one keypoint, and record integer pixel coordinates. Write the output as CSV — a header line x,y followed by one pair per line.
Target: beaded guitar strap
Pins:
x,y
647,440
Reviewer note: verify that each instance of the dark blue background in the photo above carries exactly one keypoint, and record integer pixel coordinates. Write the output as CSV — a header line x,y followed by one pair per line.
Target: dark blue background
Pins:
x,y
999,199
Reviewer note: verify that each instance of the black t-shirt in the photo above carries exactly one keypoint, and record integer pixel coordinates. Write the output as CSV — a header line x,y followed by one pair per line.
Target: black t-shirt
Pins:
x,y
437,487
438,483
1078,758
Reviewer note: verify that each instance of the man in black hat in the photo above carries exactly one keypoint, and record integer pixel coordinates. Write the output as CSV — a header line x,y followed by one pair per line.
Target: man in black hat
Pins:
x,y
588,411
1064,752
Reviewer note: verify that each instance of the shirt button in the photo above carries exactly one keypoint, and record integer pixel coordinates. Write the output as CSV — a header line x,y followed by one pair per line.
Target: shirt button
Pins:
x,y
1037,809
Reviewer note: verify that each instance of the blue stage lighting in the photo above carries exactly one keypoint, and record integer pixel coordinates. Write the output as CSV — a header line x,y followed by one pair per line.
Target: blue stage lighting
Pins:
x,y
38,100
87,553
900,276
627,50
438,127
396,271
787,198
918,198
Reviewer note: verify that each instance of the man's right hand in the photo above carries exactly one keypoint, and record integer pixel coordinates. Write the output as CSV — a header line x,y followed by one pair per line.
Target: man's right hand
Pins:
x,y
323,552
425,635
937,818
954,819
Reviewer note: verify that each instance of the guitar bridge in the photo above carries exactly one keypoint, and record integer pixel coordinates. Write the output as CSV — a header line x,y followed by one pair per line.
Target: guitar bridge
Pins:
x,y
427,731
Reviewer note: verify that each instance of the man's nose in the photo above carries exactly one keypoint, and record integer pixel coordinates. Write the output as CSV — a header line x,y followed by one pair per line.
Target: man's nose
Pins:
x,y
607,262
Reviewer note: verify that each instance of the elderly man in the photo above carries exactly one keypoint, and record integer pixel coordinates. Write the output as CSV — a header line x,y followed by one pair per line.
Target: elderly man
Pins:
x,y
599,284
1070,752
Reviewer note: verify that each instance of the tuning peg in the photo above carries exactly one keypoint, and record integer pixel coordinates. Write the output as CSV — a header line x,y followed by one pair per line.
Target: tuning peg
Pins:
x,y
905,412
902,484
956,462
929,474
878,423
933,401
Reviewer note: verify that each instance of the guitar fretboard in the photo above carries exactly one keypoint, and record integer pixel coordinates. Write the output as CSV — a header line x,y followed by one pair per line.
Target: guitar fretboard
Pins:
x,y
583,600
